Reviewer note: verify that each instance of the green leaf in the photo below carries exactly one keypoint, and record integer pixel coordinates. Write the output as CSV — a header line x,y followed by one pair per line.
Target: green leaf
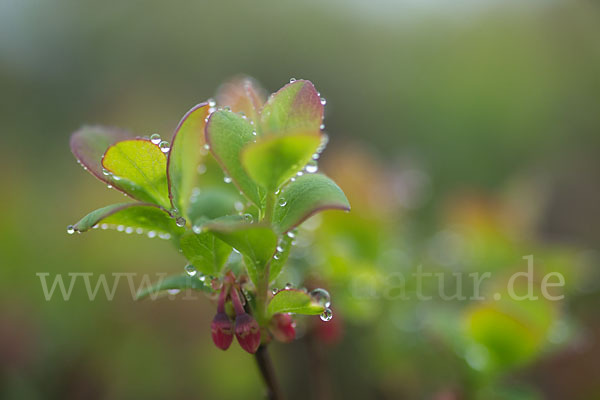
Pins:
x,y
295,108
255,241
227,133
309,194
211,203
185,156
271,161
176,282
141,167
242,94
88,145
144,216
283,251
205,251
293,301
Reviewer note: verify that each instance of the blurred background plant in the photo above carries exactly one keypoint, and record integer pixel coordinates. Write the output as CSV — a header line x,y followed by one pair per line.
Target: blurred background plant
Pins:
x,y
465,137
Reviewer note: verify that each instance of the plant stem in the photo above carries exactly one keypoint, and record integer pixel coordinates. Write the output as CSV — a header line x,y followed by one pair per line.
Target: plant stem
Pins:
x,y
269,206
266,370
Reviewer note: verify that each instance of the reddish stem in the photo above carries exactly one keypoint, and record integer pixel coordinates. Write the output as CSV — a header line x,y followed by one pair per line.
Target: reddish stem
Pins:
x,y
237,303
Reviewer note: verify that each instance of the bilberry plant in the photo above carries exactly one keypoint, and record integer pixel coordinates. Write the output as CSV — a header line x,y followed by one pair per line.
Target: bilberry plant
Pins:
x,y
238,176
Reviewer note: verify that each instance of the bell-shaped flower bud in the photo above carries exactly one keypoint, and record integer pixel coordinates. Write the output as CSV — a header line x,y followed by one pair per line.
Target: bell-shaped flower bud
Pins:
x,y
222,331
283,327
247,332
221,326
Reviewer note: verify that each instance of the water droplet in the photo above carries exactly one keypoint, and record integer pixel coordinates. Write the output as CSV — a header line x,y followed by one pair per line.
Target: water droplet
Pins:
x,y
300,173
312,167
276,256
227,179
274,291
323,101
70,229
292,80
164,146
95,226
155,138
151,234
201,277
164,236
201,169
129,230
196,229
207,146
282,201
322,126
104,226
288,286
293,180
212,103
238,205
173,291
327,315
105,172
279,249
315,156
291,234
180,221
190,270
120,228
321,296
109,186
248,218
139,231
254,133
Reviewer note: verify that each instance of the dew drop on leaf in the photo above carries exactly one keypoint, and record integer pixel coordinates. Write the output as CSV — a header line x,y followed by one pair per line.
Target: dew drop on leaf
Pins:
x,y
70,229
311,167
321,296
282,202
190,270
326,315
164,146
155,138
180,222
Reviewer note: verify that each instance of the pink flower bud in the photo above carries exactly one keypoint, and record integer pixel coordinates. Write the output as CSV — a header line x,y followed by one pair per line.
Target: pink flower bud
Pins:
x,y
247,332
222,331
283,327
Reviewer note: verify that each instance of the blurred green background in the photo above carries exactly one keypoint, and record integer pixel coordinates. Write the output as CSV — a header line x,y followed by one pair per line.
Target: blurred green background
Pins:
x,y
466,135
